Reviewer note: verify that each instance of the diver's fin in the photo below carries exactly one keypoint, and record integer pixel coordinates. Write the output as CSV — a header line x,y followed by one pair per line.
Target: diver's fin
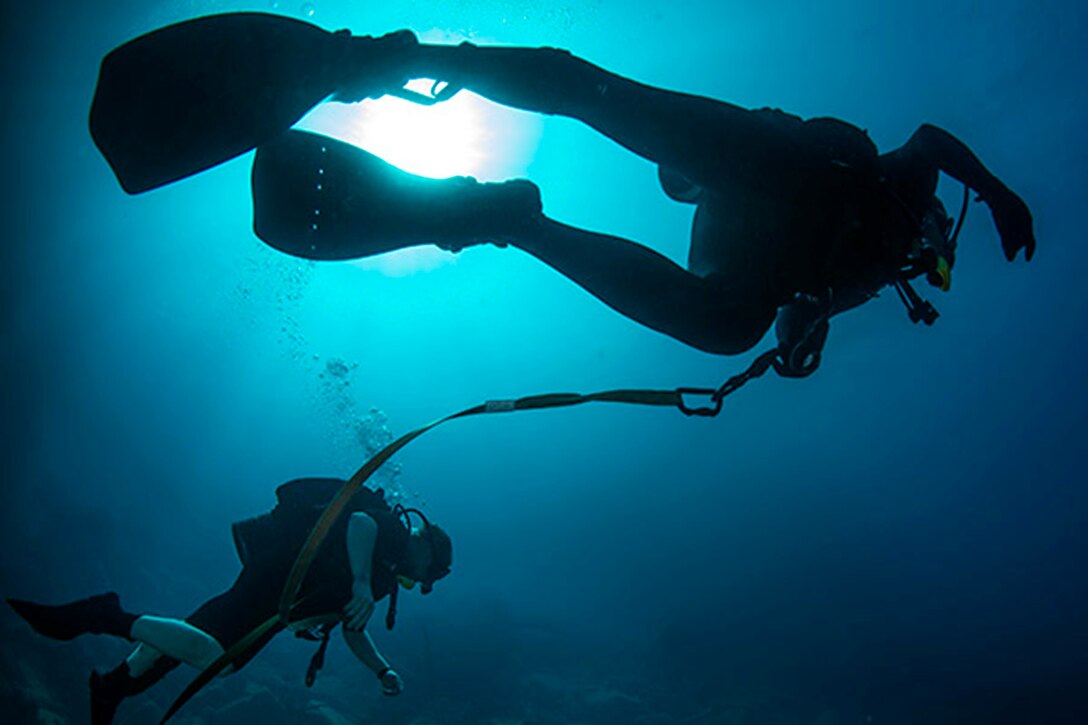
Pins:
x,y
108,690
100,614
319,198
107,694
186,97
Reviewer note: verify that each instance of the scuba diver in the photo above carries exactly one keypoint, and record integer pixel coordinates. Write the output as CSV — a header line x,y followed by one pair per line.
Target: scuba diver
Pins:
x,y
378,552
795,219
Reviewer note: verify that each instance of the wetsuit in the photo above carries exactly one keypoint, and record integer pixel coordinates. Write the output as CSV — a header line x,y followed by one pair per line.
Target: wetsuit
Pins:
x,y
784,206
268,546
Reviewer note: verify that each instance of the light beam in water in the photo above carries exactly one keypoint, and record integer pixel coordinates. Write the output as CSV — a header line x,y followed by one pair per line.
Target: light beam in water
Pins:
x,y
464,136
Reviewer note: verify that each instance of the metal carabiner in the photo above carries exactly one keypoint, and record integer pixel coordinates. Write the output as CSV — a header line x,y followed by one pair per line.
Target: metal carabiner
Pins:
x,y
705,411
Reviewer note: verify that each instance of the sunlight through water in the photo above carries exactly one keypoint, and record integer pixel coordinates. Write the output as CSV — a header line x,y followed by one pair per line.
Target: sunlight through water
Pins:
x,y
464,136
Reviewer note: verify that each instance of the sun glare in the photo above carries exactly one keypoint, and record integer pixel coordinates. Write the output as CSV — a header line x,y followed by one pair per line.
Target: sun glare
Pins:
x,y
464,136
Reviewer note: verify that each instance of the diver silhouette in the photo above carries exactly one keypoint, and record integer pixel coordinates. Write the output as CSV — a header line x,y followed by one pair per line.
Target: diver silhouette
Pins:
x,y
795,220
372,554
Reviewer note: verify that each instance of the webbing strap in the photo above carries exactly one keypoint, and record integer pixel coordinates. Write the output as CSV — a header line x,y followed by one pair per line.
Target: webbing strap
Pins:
x,y
225,660
318,660
760,365
319,533
336,507
671,398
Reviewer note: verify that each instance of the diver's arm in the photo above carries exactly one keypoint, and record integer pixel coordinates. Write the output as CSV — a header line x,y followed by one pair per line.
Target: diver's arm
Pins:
x,y
942,151
361,535
947,153
363,647
360,643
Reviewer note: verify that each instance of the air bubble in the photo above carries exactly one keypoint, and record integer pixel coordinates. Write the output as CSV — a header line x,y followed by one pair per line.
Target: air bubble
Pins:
x,y
307,10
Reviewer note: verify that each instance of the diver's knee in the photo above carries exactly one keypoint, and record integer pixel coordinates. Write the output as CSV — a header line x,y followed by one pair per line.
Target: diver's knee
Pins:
x,y
739,335
728,344
209,650
177,639
199,652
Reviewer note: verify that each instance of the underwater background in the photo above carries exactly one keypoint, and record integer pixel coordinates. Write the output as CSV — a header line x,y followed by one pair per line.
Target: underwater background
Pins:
x,y
900,538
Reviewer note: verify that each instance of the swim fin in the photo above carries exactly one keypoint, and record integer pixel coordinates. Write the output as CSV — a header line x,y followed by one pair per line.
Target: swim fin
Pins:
x,y
188,96
109,689
100,614
319,198
107,693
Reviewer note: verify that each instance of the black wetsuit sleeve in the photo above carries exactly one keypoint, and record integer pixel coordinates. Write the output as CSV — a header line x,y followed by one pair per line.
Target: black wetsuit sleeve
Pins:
x,y
914,170
939,150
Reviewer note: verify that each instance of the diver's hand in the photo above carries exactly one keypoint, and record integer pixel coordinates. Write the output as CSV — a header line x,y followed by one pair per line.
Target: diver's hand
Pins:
x,y
391,682
1014,223
358,610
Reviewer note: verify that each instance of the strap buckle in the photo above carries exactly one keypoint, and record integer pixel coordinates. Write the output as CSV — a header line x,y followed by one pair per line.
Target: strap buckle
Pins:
x,y
705,411
318,660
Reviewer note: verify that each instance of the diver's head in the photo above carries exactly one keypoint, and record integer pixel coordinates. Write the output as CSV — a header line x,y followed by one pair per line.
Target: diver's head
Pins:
x,y
936,233
429,556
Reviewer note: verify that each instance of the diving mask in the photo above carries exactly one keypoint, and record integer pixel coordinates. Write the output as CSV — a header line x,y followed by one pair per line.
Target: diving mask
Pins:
x,y
938,241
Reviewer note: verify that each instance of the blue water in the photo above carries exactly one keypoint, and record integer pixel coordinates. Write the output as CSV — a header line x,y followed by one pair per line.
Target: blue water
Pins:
x,y
900,538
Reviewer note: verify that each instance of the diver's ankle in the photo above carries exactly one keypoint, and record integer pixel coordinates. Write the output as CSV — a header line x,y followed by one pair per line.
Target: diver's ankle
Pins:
x,y
499,213
376,66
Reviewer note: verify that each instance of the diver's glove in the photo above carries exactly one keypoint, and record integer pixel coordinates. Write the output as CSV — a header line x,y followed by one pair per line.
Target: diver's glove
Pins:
x,y
391,682
801,329
1014,223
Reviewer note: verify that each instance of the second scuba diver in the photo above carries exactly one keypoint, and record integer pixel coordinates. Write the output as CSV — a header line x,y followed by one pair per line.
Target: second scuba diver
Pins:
x,y
369,555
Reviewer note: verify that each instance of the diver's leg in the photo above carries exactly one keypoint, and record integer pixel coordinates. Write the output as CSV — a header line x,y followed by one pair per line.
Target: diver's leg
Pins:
x,y
178,640
699,136
102,614
165,643
650,289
